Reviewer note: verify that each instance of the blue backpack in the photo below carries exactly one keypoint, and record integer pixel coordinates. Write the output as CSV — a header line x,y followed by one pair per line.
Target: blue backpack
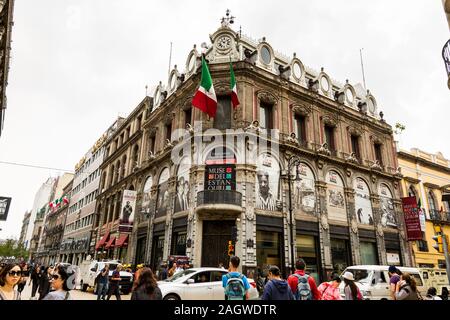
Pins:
x,y
303,288
235,288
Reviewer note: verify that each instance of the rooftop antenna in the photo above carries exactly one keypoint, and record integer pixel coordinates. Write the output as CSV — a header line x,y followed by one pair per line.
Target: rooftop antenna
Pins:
x,y
362,68
170,57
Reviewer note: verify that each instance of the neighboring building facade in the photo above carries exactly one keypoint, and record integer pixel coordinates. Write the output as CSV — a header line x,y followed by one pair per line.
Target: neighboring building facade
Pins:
x,y
37,232
23,231
54,221
427,176
6,23
41,198
119,169
76,244
347,205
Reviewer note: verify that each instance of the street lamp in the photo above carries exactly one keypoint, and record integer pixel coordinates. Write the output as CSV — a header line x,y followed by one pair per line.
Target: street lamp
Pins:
x,y
293,161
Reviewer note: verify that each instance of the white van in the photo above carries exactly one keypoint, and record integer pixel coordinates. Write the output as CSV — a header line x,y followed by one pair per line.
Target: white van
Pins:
x,y
373,281
434,277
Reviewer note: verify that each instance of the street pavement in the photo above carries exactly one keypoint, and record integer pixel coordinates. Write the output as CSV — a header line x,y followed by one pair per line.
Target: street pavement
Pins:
x,y
76,294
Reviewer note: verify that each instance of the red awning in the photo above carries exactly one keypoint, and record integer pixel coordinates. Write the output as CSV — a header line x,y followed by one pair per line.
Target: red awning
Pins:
x,y
122,241
110,243
102,241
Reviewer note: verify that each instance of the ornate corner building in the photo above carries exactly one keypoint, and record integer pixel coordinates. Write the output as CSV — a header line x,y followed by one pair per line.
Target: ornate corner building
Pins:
x,y
6,23
197,177
427,177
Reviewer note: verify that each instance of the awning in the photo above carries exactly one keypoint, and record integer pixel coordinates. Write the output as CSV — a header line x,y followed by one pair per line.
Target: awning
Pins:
x,y
102,241
122,241
110,243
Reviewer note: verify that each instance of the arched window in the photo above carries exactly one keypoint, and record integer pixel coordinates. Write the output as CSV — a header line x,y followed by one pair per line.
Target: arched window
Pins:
x,y
163,193
135,156
363,204
124,165
335,197
388,218
412,192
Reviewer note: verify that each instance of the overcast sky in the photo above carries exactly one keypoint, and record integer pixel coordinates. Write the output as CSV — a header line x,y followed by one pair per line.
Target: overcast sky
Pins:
x,y
77,65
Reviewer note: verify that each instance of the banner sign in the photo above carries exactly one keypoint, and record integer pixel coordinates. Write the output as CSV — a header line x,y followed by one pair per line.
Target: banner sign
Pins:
x,y
127,211
5,202
412,218
220,177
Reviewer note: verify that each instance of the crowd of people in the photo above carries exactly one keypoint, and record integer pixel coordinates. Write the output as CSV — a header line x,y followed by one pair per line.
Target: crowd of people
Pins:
x,y
52,283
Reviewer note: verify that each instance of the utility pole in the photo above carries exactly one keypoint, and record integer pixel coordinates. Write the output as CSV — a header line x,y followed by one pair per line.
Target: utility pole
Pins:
x,y
447,258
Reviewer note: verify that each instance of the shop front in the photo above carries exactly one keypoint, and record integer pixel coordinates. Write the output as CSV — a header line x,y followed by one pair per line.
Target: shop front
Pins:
x,y
340,248
393,251
157,245
308,248
179,233
368,247
269,244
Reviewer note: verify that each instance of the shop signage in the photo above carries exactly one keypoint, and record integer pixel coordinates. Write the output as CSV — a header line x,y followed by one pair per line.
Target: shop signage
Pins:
x,y
412,219
393,258
220,177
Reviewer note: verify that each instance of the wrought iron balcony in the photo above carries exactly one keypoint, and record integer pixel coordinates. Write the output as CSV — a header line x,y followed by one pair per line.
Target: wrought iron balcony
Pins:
x,y
446,57
219,197
438,216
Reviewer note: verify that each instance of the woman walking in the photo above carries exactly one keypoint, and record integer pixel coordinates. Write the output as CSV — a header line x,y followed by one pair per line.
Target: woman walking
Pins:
x,y
58,281
10,277
24,279
330,290
44,284
147,287
406,288
35,278
351,290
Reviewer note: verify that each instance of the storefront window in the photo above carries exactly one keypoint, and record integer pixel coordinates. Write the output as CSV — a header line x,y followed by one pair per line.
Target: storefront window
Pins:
x,y
179,244
268,249
369,254
340,255
306,249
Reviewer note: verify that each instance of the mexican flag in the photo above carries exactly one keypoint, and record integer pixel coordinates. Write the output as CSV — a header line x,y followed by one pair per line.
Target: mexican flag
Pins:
x,y
65,200
234,96
205,97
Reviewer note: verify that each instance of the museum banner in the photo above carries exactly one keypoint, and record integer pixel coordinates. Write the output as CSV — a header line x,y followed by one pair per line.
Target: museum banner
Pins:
x,y
127,211
412,218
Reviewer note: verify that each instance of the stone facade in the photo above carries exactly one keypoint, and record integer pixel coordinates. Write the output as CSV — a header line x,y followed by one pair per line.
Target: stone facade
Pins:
x,y
348,209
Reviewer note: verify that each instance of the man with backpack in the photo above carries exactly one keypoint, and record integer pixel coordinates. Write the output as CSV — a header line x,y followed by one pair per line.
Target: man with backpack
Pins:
x,y
235,284
276,288
302,285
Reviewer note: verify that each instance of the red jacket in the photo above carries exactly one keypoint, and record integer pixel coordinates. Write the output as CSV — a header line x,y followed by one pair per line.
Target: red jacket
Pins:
x,y
293,282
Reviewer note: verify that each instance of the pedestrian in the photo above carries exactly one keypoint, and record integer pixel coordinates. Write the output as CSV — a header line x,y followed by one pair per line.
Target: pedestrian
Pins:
x,y
235,284
351,290
24,279
179,267
61,290
394,278
164,272
276,288
44,285
147,287
444,294
432,294
10,276
34,280
172,270
406,288
221,266
330,290
114,283
303,286
102,283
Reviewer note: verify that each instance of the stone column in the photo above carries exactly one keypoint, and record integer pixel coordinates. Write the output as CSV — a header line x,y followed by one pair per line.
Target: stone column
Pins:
x,y
404,246
172,183
353,230
148,250
381,248
324,228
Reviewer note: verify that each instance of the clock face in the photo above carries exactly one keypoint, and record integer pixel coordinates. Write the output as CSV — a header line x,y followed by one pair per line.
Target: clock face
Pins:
x,y
224,42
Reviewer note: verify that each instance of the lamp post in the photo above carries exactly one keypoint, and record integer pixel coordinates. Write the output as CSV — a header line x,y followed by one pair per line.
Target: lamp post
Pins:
x,y
292,161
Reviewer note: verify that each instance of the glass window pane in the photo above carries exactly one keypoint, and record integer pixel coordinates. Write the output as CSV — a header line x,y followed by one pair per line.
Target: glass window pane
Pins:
x,y
368,253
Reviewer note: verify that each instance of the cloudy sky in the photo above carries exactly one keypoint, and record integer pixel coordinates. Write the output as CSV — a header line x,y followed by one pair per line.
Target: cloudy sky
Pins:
x,y
78,64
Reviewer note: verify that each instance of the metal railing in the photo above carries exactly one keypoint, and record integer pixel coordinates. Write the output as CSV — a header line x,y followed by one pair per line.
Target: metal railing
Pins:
x,y
436,215
220,197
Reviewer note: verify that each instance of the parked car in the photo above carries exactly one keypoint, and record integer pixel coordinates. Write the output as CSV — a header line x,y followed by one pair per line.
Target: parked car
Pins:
x,y
199,284
91,268
373,281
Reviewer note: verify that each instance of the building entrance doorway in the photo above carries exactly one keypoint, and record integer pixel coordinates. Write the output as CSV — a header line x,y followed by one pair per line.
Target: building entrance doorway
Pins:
x,y
216,235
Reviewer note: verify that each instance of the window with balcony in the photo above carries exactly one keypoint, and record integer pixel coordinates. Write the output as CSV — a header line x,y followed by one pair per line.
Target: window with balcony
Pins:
x,y
266,115
355,146
422,245
169,131
187,117
378,154
329,137
223,113
300,127
434,213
